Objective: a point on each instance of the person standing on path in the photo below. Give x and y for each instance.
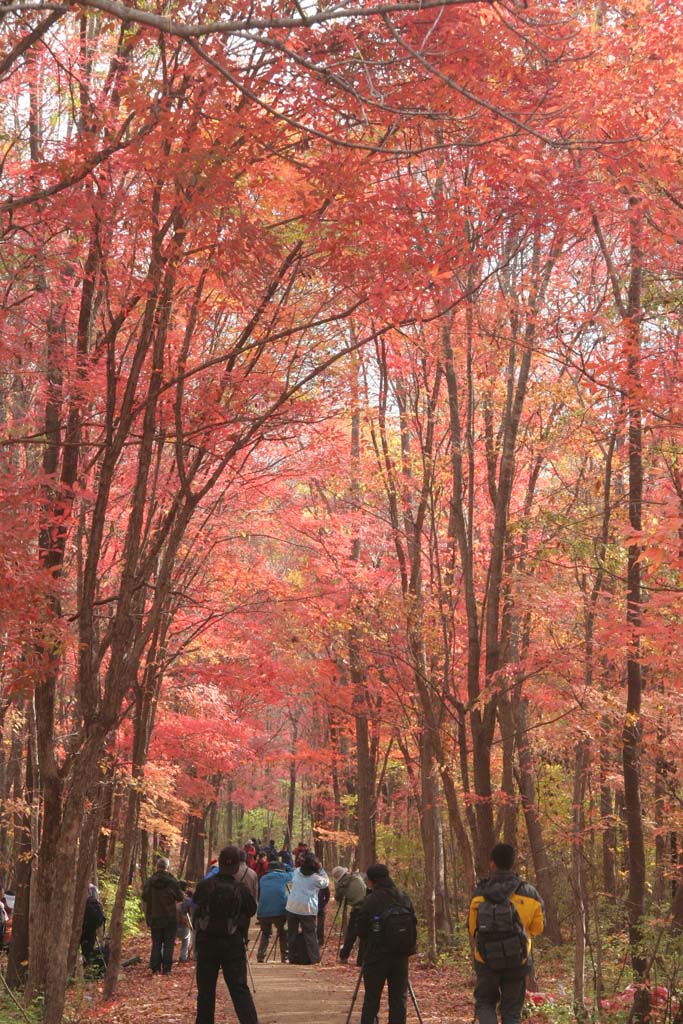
(160, 895)
(93, 918)
(350, 886)
(302, 906)
(387, 922)
(184, 930)
(505, 913)
(244, 874)
(223, 909)
(272, 908)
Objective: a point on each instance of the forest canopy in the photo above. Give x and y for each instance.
(341, 466)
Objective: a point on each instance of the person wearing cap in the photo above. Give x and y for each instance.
(349, 886)
(272, 907)
(160, 895)
(379, 964)
(220, 942)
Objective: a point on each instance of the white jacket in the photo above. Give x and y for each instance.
(303, 899)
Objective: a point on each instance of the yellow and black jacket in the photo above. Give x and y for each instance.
(502, 885)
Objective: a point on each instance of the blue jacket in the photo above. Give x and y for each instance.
(273, 892)
(303, 899)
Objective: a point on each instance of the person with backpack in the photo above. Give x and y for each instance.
(350, 886)
(302, 908)
(272, 907)
(387, 923)
(505, 913)
(223, 908)
(160, 895)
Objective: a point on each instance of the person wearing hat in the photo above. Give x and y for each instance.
(387, 921)
(272, 907)
(349, 886)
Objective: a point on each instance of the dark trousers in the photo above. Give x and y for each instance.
(394, 971)
(266, 926)
(350, 939)
(505, 987)
(308, 927)
(163, 939)
(227, 955)
(320, 928)
(88, 945)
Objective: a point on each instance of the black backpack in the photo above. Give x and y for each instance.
(219, 913)
(398, 931)
(501, 939)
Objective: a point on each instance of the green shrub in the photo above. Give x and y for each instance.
(10, 1013)
(133, 914)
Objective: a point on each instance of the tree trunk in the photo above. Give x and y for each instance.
(117, 914)
(539, 853)
(509, 801)
(581, 767)
(609, 828)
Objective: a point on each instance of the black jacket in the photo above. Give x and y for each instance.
(93, 917)
(160, 895)
(201, 901)
(374, 904)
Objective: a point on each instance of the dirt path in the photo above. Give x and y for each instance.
(287, 994)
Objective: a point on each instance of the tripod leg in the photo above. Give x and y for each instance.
(251, 976)
(355, 996)
(272, 948)
(334, 921)
(417, 1008)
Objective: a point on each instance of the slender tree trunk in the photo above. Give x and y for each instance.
(608, 818)
(23, 872)
(581, 767)
(539, 852)
(87, 847)
(509, 797)
(117, 915)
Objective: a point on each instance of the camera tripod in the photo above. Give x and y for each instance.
(411, 990)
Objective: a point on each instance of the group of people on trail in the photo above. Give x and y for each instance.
(505, 914)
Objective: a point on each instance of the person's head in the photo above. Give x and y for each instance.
(162, 863)
(229, 860)
(502, 857)
(243, 857)
(378, 876)
(93, 892)
(274, 862)
(309, 863)
(339, 872)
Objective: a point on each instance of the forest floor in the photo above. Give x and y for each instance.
(285, 994)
